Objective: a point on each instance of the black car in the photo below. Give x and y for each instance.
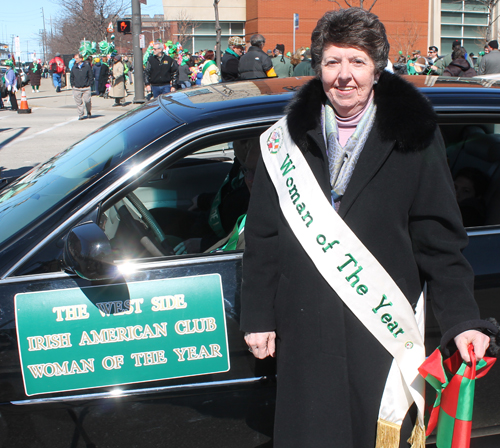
(110, 337)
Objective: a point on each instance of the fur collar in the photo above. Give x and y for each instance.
(404, 115)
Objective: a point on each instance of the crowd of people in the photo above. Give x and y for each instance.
(168, 67)
(457, 63)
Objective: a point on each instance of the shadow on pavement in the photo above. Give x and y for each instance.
(11, 139)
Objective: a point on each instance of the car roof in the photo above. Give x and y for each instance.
(264, 97)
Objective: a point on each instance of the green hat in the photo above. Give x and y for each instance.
(9, 62)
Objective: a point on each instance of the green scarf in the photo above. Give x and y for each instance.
(232, 52)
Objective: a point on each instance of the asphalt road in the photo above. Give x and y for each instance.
(29, 139)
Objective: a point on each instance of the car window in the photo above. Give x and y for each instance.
(33, 195)
(197, 205)
(473, 152)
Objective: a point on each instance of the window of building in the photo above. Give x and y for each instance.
(463, 20)
(204, 36)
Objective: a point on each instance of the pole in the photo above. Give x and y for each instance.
(44, 40)
(138, 68)
(293, 24)
(218, 33)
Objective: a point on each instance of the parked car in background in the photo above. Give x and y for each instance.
(108, 338)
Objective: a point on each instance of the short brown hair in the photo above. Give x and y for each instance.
(352, 27)
(209, 54)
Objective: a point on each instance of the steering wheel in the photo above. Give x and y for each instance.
(151, 223)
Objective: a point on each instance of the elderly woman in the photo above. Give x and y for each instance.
(352, 199)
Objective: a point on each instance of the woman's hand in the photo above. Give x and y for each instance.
(262, 344)
(479, 341)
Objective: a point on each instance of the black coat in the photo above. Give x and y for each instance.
(103, 78)
(254, 64)
(35, 76)
(229, 67)
(401, 203)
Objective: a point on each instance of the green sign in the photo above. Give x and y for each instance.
(98, 336)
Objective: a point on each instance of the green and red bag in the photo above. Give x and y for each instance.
(454, 382)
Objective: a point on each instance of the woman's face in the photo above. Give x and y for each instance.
(348, 75)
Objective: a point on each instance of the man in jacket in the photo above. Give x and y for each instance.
(282, 66)
(255, 63)
(161, 72)
(231, 59)
(81, 78)
(57, 68)
(490, 63)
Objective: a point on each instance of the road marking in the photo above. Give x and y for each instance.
(29, 137)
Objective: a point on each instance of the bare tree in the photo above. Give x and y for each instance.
(359, 4)
(407, 36)
(185, 26)
(218, 32)
(83, 19)
(492, 18)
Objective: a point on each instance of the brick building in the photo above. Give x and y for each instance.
(411, 24)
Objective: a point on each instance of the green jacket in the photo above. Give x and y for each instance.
(282, 66)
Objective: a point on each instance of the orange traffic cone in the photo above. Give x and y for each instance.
(24, 109)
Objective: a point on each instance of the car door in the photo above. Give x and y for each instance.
(473, 150)
(79, 364)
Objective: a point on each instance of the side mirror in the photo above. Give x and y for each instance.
(87, 252)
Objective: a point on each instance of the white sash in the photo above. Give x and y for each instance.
(351, 270)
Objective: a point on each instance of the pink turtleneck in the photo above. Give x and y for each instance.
(347, 126)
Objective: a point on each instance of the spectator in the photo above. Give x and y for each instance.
(490, 63)
(185, 72)
(58, 69)
(470, 187)
(35, 75)
(231, 59)
(81, 78)
(209, 70)
(161, 72)
(11, 84)
(442, 63)
(118, 91)
(459, 66)
(255, 63)
(304, 68)
(282, 66)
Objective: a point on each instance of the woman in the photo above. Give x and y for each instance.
(209, 70)
(11, 84)
(459, 65)
(35, 72)
(118, 92)
(389, 182)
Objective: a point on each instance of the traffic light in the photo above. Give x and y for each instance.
(123, 26)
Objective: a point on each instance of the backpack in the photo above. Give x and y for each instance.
(53, 67)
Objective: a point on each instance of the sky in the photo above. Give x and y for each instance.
(23, 18)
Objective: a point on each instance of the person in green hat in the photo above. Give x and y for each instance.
(11, 84)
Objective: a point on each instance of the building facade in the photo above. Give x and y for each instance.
(411, 25)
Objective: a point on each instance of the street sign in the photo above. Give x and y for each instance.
(144, 2)
(142, 41)
(296, 21)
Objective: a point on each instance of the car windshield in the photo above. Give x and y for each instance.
(46, 185)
